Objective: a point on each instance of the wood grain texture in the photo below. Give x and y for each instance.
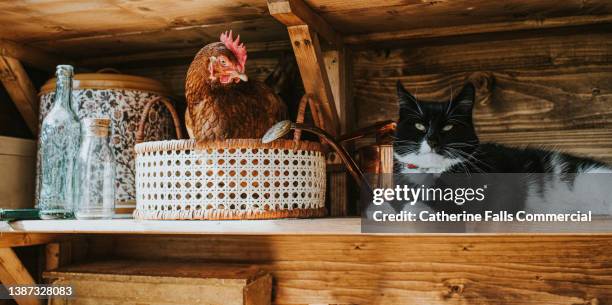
(297, 12)
(407, 270)
(57, 254)
(533, 24)
(32, 56)
(13, 272)
(21, 90)
(116, 27)
(555, 87)
(172, 75)
(335, 62)
(87, 47)
(492, 8)
(361, 16)
(337, 193)
(60, 19)
(9, 240)
(307, 50)
(150, 282)
(183, 53)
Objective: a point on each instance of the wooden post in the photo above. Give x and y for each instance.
(305, 27)
(323, 75)
(30, 55)
(57, 254)
(335, 65)
(336, 68)
(296, 12)
(308, 54)
(22, 91)
(13, 272)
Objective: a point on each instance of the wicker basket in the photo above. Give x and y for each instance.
(231, 179)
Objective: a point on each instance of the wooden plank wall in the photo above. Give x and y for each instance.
(172, 73)
(525, 270)
(550, 88)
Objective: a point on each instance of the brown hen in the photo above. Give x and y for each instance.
(221, 102)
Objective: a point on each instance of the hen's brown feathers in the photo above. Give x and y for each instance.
(218, 111)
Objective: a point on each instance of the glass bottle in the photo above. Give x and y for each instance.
(58, 144)
(94, 173)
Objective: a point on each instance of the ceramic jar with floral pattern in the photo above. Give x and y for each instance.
(120, 98)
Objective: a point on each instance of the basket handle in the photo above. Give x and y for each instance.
(307, 100)
(145, 114)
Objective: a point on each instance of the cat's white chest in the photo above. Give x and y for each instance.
(424, 161)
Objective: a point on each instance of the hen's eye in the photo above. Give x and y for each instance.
(223, 62)
(447, 127)
(419, 126)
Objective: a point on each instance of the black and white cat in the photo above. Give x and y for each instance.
(437, 137)
(440, 138)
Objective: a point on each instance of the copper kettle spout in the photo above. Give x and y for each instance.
(282, 128)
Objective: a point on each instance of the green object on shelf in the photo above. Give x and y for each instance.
(18, 214)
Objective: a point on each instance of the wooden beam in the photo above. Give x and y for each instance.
(30, 55)
(307, 50)
(304, 27)
(335, 65)
(13, 272)
(252, 47)
(22, 91)
(57, 255)
(432, 32)
(296, 12)
(26, 239)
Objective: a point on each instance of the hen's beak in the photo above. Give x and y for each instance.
(240, 76)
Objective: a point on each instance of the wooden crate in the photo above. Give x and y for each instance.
(18, 167)
(153, 282)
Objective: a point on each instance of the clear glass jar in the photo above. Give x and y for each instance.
(95, 173)
(58, 145)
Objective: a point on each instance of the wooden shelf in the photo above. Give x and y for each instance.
(130, 226)
(321, 226)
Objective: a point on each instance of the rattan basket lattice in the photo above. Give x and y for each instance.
(231, 179)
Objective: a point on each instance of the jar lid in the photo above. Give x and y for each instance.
(97, 122)
(110, 81)
(96, 126)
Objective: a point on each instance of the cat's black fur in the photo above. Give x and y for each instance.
(461, 141)
(440, 138)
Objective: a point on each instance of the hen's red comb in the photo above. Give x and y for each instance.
(236, 47)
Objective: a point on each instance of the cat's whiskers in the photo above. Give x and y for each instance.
(469, 158)
(464, 144)
(463, 160)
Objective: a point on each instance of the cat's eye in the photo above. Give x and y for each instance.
(447, 127)
(419, 126)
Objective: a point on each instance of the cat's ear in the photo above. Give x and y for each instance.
(406, 100)
(464, 101)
